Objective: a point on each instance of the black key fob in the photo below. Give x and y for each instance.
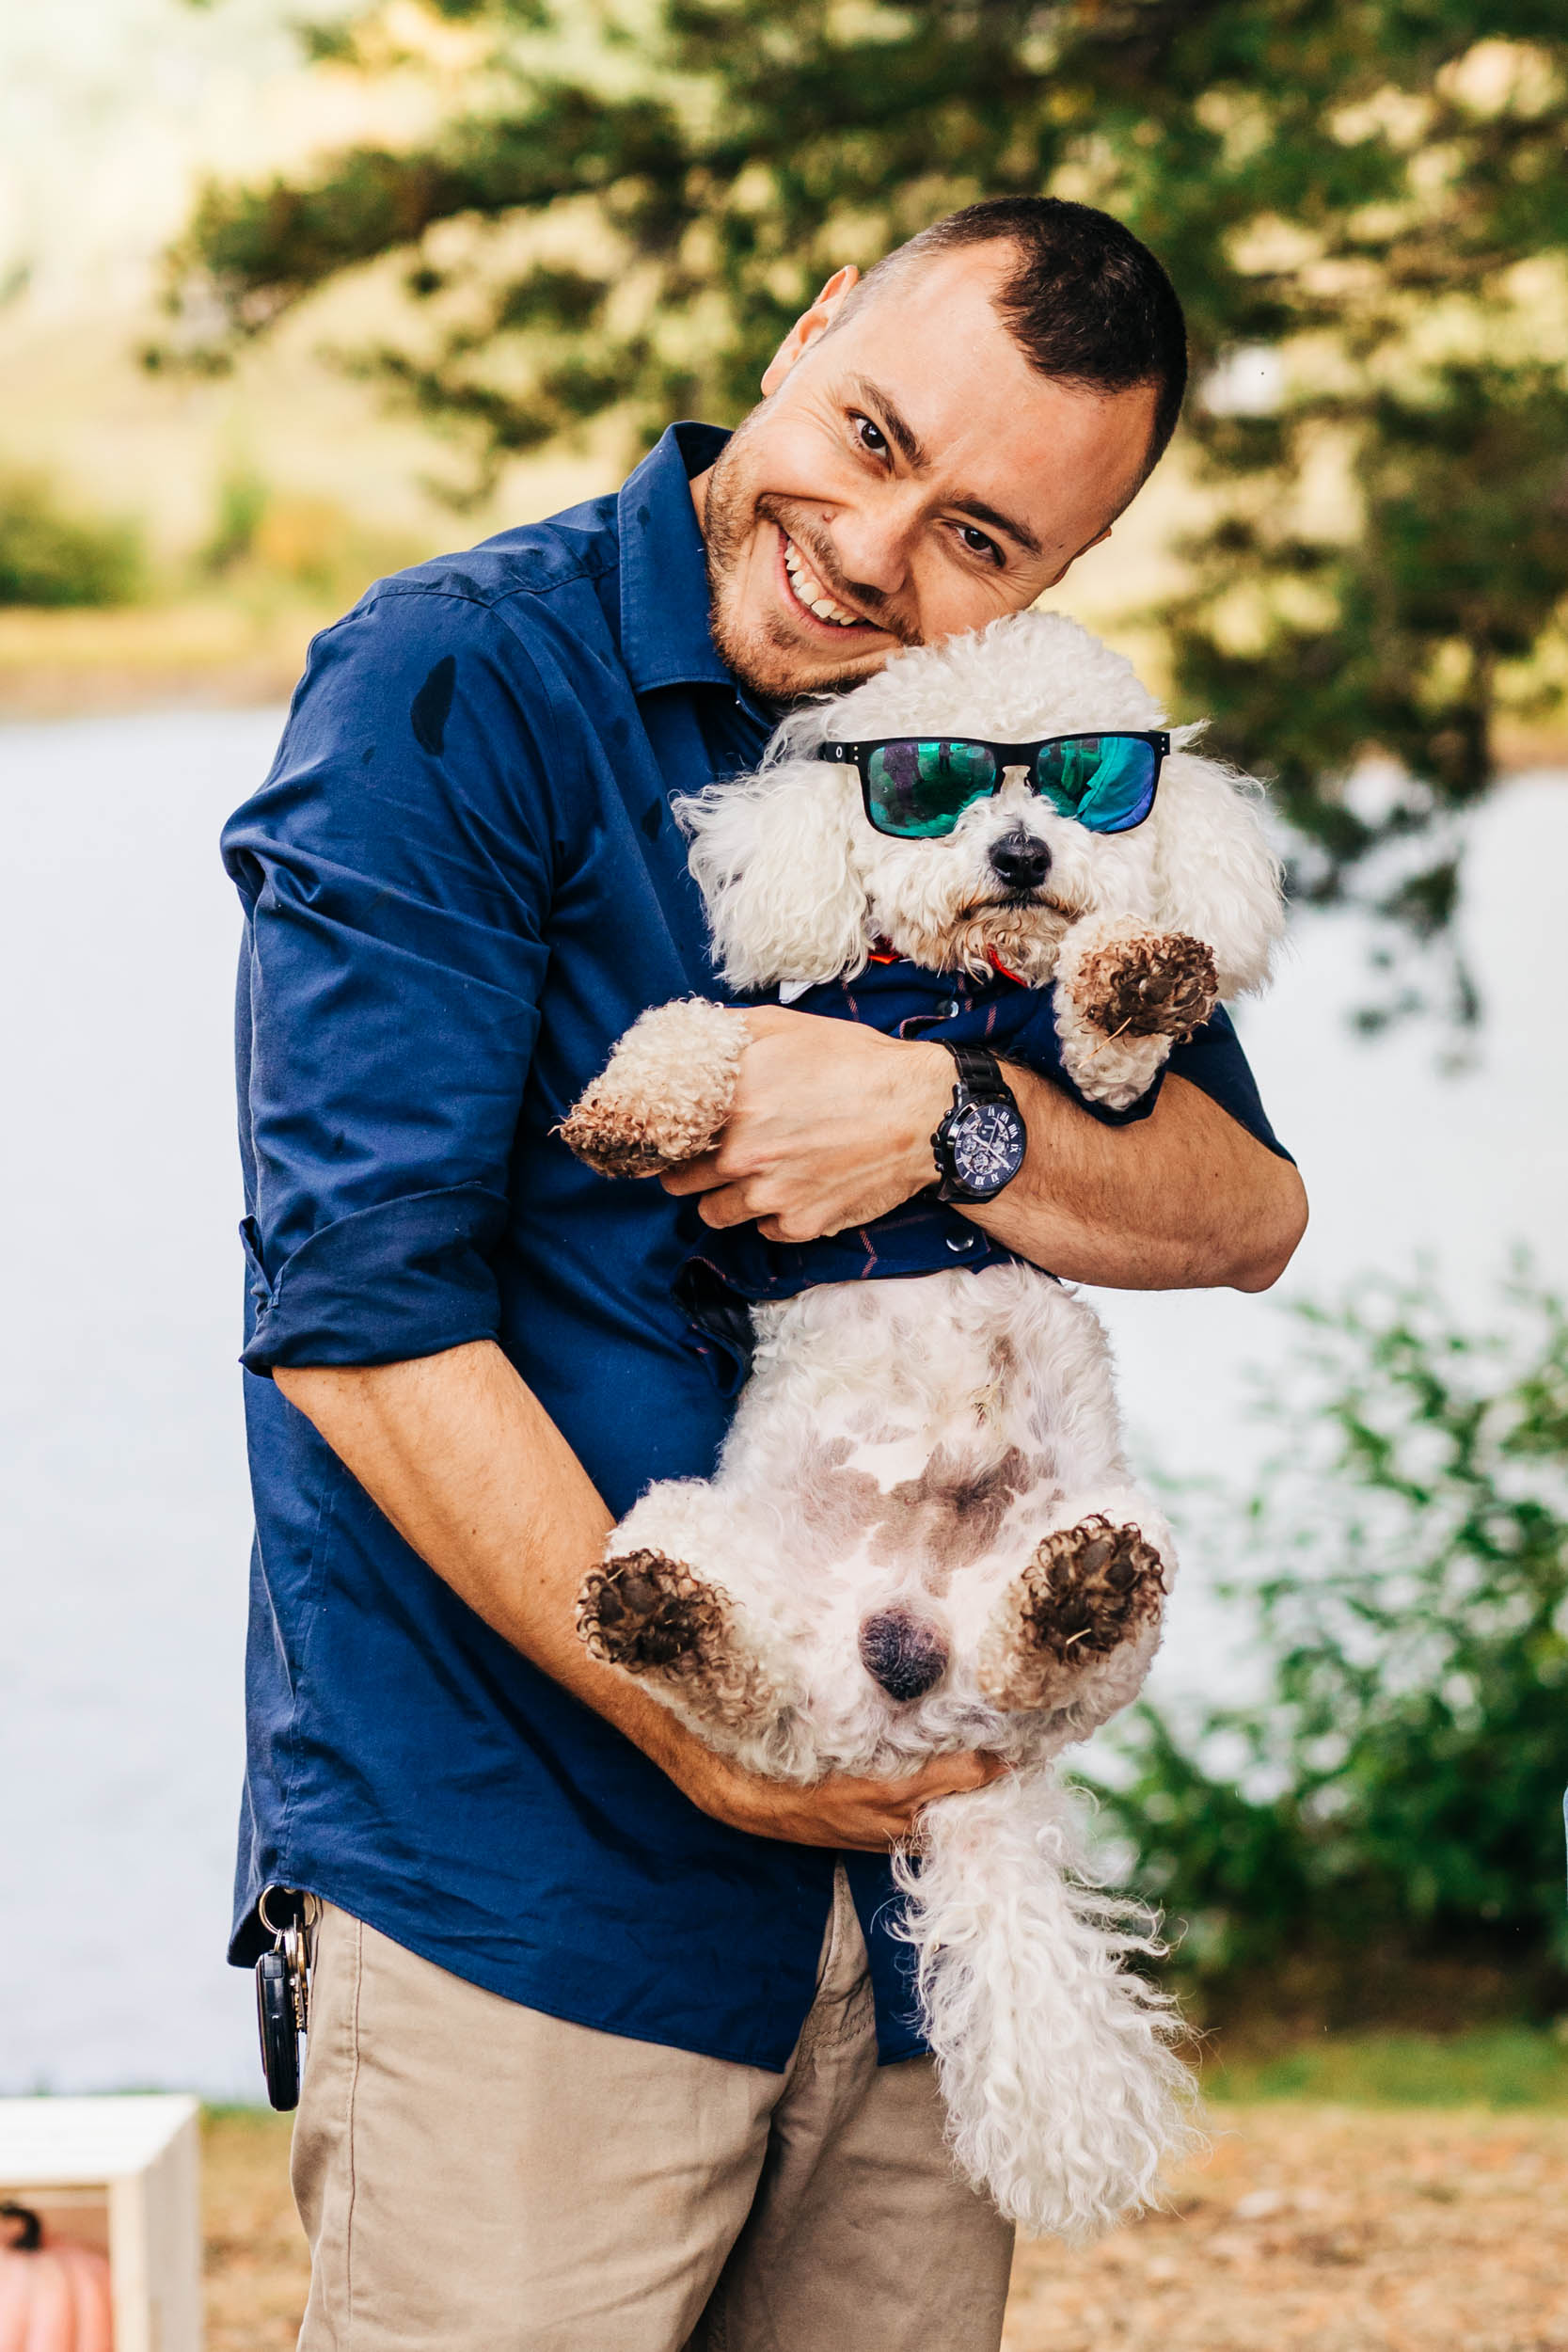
(283, 1990)
(275, 2014)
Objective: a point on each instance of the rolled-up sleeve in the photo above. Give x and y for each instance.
(1211, 1059)
(396, 870)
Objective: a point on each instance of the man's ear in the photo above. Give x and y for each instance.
(1218, 878)
(772, 856)
(810, 325)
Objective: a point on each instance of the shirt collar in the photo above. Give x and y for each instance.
(665, 637)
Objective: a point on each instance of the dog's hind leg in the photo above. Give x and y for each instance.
(1063, 2092)
(1078, 1627)
(658, 1607)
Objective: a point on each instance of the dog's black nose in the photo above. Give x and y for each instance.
(906, 1654)
(1019, 860)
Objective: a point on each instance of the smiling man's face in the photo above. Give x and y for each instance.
(908, 476)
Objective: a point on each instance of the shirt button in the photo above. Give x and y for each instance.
(955, 1243)
(947, 1009)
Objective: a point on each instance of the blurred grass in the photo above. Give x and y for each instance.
(1497, 2067)
(1365, 2199)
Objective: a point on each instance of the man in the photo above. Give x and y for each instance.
(613, 2049)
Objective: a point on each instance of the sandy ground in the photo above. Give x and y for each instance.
(1316, 2229)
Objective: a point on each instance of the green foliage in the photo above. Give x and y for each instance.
(50, 557)
(1502, 2067)
(243, 500)
(624, 209)
(268, 541)
(1397, 1784)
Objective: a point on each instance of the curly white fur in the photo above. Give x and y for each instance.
(923, 1534)
(666, 1094)
(799, 887)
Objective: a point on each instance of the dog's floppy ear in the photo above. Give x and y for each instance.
(1218, 878)
(773, 855)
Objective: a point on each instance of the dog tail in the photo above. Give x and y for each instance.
(1056, 2061)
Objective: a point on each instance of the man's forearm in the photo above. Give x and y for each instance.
(832, 1127)
(1186, 1199)
(457, 1452)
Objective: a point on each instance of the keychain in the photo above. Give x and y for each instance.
(283, 1992)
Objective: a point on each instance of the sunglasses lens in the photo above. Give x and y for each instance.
(1105, 781)
(922, 788)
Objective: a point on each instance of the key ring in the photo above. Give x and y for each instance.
(309, 1914)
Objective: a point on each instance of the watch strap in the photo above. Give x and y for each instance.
(979, 1072)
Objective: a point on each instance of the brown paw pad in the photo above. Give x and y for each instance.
(1164, 987)
(1089, 1587)
(650, 1616)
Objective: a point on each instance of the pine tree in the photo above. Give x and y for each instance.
(1363, 203)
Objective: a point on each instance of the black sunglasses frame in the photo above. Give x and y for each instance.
(1006, 756)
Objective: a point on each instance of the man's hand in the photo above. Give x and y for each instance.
(831, 1126)
(862, 1815)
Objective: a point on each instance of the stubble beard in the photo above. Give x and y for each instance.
(763, 657)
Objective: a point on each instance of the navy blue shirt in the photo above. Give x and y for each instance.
(461, 883)
(727, 1271)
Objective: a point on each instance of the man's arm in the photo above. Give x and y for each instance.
(833, 1124)
(464, 1460)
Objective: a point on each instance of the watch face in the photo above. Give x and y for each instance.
(988, 1143)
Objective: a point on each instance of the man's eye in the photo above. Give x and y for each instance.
(871, 436)
(974, 542)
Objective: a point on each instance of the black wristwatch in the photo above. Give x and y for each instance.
(980, 1144)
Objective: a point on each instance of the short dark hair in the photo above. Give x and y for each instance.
(1087, 304)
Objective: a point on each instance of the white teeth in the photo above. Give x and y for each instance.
(811, 590)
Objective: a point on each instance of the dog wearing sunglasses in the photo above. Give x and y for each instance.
(923, 1534)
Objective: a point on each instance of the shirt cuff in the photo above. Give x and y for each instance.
(407, 1277)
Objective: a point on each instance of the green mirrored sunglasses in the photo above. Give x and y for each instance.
(916, 787)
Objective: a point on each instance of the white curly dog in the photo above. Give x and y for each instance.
(922, 1534)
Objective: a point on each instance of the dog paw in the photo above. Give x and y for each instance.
(664, 1096)
(1087, 1590)
(651, 1615)
(615, 1141)
(1152, 986)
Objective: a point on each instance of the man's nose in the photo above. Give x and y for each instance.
(1019, 860)
(906, 1654)
(872, 553)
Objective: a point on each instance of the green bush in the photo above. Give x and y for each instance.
(50, 557)
(243, 500)
(1392, 1797)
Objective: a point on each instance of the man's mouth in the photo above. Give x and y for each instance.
(805, 590)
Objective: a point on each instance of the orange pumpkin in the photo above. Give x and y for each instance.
(53, 2298)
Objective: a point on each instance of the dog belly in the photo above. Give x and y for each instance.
(905, 1444)
(1001, 1370)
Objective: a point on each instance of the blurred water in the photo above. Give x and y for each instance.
(125, 1513)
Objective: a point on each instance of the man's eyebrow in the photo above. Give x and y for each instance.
(899, 430)
(1014, 529)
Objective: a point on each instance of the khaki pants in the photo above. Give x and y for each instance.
(475, 2177)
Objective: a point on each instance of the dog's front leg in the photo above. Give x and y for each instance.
(1125, 994)
(1064, 2095)
(665, 1093)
